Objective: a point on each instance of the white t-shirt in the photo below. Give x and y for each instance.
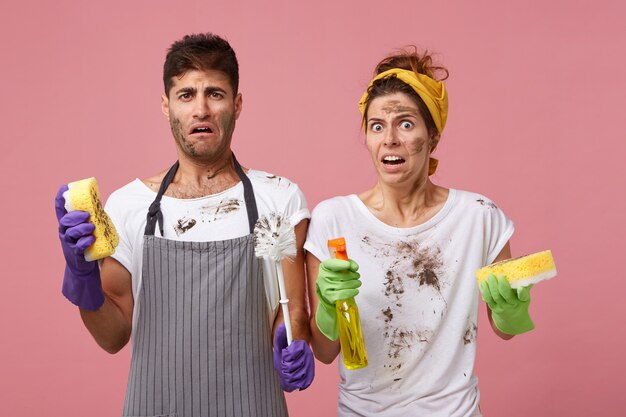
(216, 217)
(418, 303)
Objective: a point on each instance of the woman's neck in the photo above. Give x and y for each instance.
(405, 206)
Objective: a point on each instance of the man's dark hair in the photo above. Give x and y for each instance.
(200, 52)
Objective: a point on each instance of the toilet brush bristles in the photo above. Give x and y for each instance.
(275, 239)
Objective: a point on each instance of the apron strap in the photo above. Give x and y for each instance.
(248, 196)
(154, 211)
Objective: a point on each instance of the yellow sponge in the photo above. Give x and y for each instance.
(522, 271)
(84, 195)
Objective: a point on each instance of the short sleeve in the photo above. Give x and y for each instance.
(498, 230)
(123, 251)
(296, 208)
(322, 226)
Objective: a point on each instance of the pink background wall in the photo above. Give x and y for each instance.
(537, 100)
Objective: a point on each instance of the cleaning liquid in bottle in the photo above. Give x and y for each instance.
(350, 333)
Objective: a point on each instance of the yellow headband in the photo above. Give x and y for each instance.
(432, 92)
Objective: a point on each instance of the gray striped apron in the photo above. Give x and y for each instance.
(202, 343)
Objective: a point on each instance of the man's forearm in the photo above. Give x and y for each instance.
(108, 326)
(111, 324)
(300, 323)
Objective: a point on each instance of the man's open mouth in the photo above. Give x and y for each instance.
(203, 129)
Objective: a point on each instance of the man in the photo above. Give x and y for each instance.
(184, 281)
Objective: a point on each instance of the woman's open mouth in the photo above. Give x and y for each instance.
(392, 160)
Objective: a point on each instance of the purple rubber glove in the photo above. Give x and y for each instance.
(81, 282)
(294, 364)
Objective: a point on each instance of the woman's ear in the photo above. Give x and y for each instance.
(434, 141)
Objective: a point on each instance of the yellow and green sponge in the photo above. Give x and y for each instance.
(84, 195)
(522, 271)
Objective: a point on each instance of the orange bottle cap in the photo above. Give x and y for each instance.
(337, 248)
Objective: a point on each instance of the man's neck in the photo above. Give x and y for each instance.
(196, 179)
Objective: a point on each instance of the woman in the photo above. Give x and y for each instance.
(417, 245)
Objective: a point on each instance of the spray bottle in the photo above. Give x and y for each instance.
(350, 333)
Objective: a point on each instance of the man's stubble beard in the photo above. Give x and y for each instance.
(178, 131)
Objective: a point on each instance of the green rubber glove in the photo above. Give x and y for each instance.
(336, 280)
(509, 307)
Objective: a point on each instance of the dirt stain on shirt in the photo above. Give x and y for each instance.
(406, 261)
(470, 334)
(388, 314)
(393, 284)
(485, 203)
(277, 181)
(226, 207)
(183, 225)
(400, 340)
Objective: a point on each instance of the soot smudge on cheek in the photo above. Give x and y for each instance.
(418, 148)
(179, 134)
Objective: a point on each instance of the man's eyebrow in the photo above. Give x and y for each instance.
(212, 89)
(191, 90)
